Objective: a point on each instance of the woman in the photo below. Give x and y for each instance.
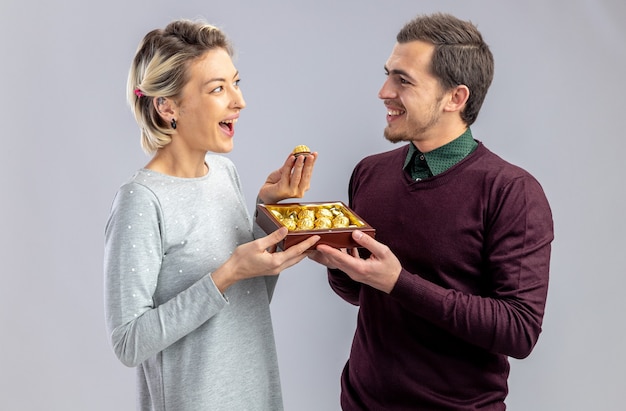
(187, 286)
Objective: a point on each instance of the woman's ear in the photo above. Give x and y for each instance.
(458, 98)
(165, 108)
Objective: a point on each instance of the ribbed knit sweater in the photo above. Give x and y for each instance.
(474, 243)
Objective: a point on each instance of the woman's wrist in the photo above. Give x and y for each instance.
(223, 277)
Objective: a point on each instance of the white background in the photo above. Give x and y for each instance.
(310, 74)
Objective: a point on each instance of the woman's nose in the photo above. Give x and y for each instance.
(238, 100)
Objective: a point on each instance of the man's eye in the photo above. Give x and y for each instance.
(403, 81)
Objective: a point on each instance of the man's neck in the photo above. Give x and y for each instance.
(439, 137)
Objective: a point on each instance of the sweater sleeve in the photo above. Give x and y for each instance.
(344, 286)
(507, 317)
(139, 328)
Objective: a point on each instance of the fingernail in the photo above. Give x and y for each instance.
(357, 235)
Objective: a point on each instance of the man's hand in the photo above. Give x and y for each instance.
(381, 270)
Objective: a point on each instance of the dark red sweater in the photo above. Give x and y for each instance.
(474, 243)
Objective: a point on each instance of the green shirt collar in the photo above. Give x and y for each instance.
(444, 157)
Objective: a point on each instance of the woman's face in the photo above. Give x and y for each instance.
(209, 105)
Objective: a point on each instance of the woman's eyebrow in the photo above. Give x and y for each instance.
(221, 79)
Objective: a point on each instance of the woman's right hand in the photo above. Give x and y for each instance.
(257, 258)
(292, 180)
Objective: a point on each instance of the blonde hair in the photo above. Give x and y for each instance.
(159, 69)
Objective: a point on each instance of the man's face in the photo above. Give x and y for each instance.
(412, 95)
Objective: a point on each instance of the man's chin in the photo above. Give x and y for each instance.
(395, 137)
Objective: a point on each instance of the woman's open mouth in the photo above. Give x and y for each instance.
(228, 125)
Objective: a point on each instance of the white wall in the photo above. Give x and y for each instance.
(310, 72)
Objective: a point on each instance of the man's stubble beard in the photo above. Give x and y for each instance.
(395, 137)
(420, 129)
(414, 134)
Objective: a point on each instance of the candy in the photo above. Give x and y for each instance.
(301, 150)
(312, 217)
(323, 223)
(323, 212)
(305, 223)
(290, 223)
(306, 213)
(341, 221)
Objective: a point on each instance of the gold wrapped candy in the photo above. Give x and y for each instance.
(323, 213)
(306, 213)
(319, 217)
(323, 223)
(301, 150)
(341, 221)
(305, 223)
(290, 223)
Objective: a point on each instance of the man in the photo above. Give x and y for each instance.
(456, 280)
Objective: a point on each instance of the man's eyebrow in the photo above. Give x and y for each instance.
(398, 72)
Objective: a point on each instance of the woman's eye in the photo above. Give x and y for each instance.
(217, 89)
(237, 82)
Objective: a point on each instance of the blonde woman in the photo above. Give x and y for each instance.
(187, 285)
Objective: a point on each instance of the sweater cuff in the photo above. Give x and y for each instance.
(214, 291)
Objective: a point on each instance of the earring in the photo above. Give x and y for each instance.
(173, 123)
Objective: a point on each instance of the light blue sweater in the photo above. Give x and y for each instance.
(194, 348)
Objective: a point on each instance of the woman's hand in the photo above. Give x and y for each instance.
(257, 258)
(292, 180)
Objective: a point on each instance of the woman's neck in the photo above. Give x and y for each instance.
(178, 165)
